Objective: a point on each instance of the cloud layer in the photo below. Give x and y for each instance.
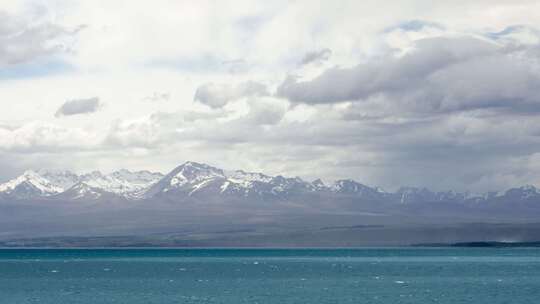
(418, 93)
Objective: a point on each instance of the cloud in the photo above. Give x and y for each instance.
(516, 34)
(439, 75)
(265, 111)
(166, 128)
(79, 106)
(38, 136)
(26, 38)
(429, 94)
(159, 128)
(415, 26)
(316, 56)
(236, 66)
(142, 133)
(218, 95)
(157, 96)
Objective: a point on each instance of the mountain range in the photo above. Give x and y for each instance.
(196, 181)
(200, 205)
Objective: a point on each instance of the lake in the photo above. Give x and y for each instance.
(370, 275)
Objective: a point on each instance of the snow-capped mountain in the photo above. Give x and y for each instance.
(527, 192)
(202, 181)
(198, 181)
(83, 191)
(409, 195)
(30, 184)
(122, 182)
(61, 184)
(350, 187)
(193, 179)
(62, 179)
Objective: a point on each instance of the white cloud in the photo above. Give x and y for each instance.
(25, 38)
(218, 95)
(157, 96)
(41, 136)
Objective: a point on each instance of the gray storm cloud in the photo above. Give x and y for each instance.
(79, 106)
(438, 75)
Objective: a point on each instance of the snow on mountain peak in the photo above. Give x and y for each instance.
(30, 183)
(204, 181)
(192, 172)
(529, 188)
(51, 182)
(318, 184)
(82, 191)
(349, 185)
(61, 178)
(123, 182)
(246, 178)
(524, 192)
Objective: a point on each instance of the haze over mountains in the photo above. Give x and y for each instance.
(197, 204)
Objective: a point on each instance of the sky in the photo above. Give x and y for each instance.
(441, 94)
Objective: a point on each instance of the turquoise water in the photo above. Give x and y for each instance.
(412, 275)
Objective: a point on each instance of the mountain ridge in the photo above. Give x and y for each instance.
(199, 180)
(49, 183)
